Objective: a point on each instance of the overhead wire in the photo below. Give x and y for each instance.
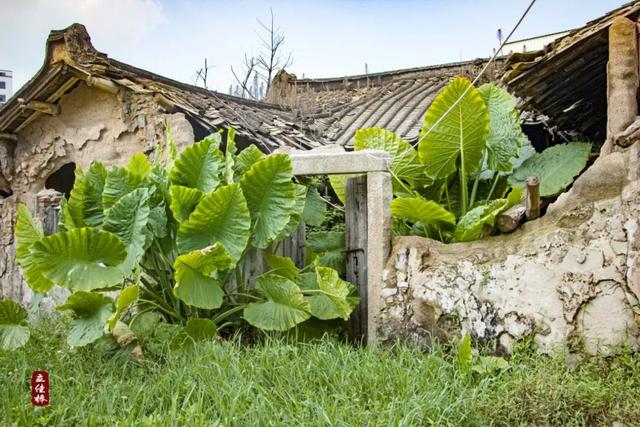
(473, 83)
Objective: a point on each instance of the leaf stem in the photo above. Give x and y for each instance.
(164, 310)
(493, 186)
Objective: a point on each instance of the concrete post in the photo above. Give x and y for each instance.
(379, 196)
(622, 79)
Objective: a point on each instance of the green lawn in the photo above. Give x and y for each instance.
(324, 383)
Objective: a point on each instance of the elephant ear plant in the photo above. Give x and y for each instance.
(471, 163)
(173, 239)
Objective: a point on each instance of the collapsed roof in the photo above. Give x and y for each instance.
(71, 58)
(567, 80)
(335, 108)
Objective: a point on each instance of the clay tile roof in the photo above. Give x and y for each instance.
(70, 58)
(567, 79)
(335, 108)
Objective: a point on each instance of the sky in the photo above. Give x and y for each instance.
(327, 38)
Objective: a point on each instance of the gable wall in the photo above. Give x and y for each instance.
(92, 125)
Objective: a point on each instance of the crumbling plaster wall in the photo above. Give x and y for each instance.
(92, 125)
(570, 280)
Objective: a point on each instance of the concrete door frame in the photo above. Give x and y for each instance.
(375, 164)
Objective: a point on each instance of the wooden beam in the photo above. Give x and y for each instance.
(533, 198)
(10, 136)
(103, 84)
(511, 219)
(39, 106)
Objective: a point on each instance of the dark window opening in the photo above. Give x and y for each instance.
(5, 194)
(199, 131)
(62, 180)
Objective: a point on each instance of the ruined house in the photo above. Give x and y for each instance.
(83, 105)
(571, 276)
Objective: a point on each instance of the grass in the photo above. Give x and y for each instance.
(324, 383)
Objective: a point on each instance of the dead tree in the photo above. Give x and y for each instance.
(272, 59)
(202, 74)
(248, 67)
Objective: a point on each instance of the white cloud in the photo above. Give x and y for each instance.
(111, 23)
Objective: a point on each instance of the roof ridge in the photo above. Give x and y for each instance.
(393, 72)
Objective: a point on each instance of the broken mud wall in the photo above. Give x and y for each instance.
(92, 125)
(570, 280)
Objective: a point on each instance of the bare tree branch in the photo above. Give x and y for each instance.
(202, 74)
(247, 68)
(272, 60)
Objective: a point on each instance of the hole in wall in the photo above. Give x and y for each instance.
(5, 193)
(62, 179)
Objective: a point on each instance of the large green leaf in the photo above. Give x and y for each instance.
(222, 216)
(158, 221)
(75, 204)
(201, 329)
(91, 310)
(296, 212)
(271, 196)
(183, 201)
(339, 184)
(329, 247)
(556, 167)
(128, 219)
(327, 294)
(198, 166)
(281, 265)
(479, 221)
(119, 182)
(139, 165)
(284, 307)
(81, 259)
(417, 209)
(405, 164)
(14, 331)
(230, 156)
(94, 182)
(84, 206)
(460, 137)
(315, 208)
(170, 147)
(65, 220)
(126, 298)
(197, 283)
(246, 159)
(27, 233)
(505, 136)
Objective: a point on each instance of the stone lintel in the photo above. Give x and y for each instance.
(327, 163)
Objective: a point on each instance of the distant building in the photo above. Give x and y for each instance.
(532, 43)
(6, 87)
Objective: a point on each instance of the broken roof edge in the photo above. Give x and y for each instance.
(519, 65)
(71, 49)
(397, 72)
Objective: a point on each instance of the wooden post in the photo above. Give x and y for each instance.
(293, 246)
(48, 208)
(533, 198)
(622, 79)
(355, 218)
